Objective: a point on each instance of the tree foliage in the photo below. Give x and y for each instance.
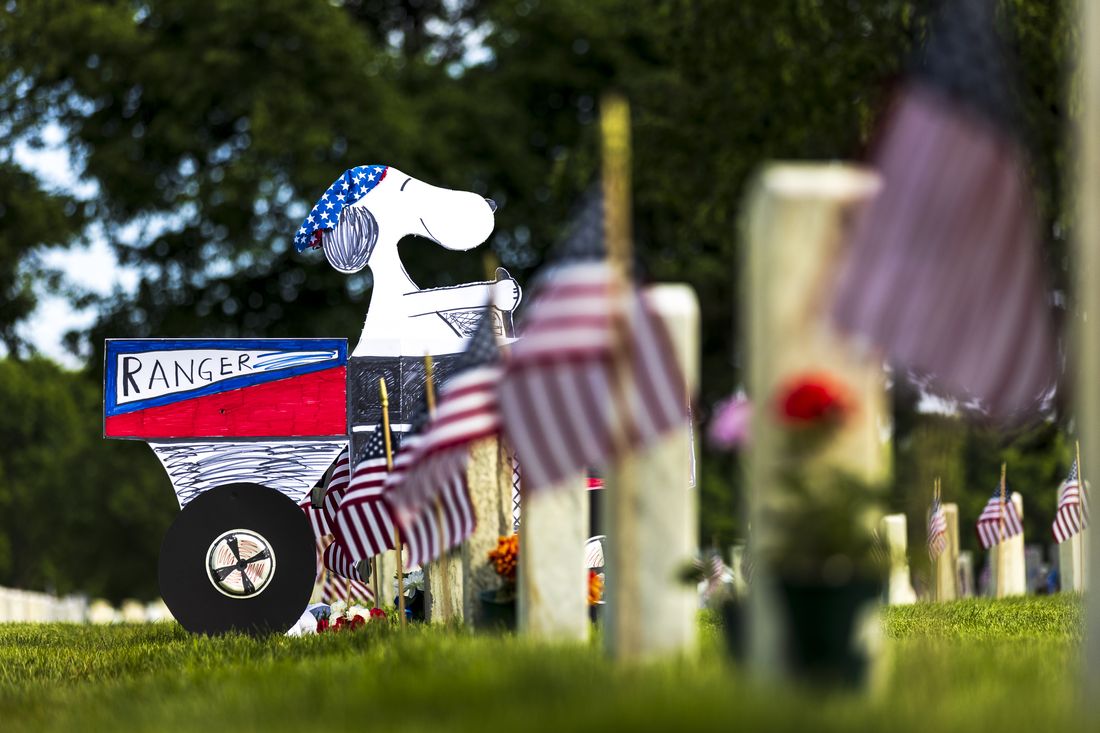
(209, 128)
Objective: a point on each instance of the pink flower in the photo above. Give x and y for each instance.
(730, 426)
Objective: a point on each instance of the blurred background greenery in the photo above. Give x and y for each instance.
(205, 129)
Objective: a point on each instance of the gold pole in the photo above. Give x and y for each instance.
(622, 499)
(1001, 537)
(396, 530)
(1080, 515)
(935, 560)
(429, 390)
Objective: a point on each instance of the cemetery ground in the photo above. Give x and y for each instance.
(1006, 665)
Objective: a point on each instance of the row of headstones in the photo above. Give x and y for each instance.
(954, 570)
(25, 606)
(651, 523)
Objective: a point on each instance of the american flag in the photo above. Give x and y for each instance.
(558, 393)
(337, 484)
(318, 522)
(1072, 514)
(354, 184)
(336, 589)
(937, 529)
(363, 523)
(433, 503)
(943, 269)
(995, 525)
(467, 411)
(337, 560)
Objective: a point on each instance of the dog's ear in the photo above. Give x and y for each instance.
(349, 244)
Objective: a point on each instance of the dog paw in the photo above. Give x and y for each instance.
(506, 292)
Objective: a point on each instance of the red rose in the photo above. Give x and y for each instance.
(357, 622)
(322, 625)
(377, 613)
(340, 623)
(812, 399)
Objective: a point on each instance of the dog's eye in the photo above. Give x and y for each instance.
(406, 183)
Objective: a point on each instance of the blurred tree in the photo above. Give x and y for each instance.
(209, 128)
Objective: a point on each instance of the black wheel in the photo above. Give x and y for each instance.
(239, 557)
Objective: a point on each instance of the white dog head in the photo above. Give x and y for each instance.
(377, 203)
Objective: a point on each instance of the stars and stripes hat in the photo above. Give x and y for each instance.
(356, 183)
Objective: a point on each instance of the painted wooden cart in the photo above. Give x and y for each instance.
(245, 428)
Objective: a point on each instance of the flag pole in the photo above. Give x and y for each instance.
(616, 161)
(1001, 537)
(429, 391)
(396, 530)
(1080, 516)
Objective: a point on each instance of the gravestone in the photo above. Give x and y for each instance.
(553, 582)
(489, 477)
(967, 589)
(797, 214)
(1008, 575)
(946, 565)
(1071, 563)
(900, 586)
(652, 518)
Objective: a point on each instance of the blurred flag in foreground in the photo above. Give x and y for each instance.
(943, 269)
(433, 504)
(594, 373)
(363, 524)
(1072, 514)
(998, 520)
(937, 529)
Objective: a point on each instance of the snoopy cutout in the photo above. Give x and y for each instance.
(359, 222)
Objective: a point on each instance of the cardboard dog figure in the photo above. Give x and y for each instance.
(246, 427)
(358, 223)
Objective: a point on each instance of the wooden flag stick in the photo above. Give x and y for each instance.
(1081, 502)
(429, 391)
(622, 498)
(1001, 535)
(396, 530)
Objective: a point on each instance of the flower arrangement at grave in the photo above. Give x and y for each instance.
(504, 559)
(824, 518)
(342, 617)
(595, 588)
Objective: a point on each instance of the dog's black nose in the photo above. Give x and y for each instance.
(492, 205)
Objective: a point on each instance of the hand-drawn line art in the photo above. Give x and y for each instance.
(359, 221)
(291, 467)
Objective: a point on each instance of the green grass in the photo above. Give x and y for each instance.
(971, 665)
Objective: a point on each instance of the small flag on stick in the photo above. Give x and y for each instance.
(1072, 514)
(433, 503)
(564, 401)
(363, 523)
(998, 520)
(937, 525)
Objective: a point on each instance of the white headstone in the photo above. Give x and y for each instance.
(653, 518)
(900, 589)
(1007, 567)
(553, 580)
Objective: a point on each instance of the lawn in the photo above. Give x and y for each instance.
(970, 665)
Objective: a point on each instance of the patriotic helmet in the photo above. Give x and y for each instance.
(348, 233)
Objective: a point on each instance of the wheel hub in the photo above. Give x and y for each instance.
(240, 563)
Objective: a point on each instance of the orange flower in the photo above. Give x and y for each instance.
(504, 557)
(595, 587)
